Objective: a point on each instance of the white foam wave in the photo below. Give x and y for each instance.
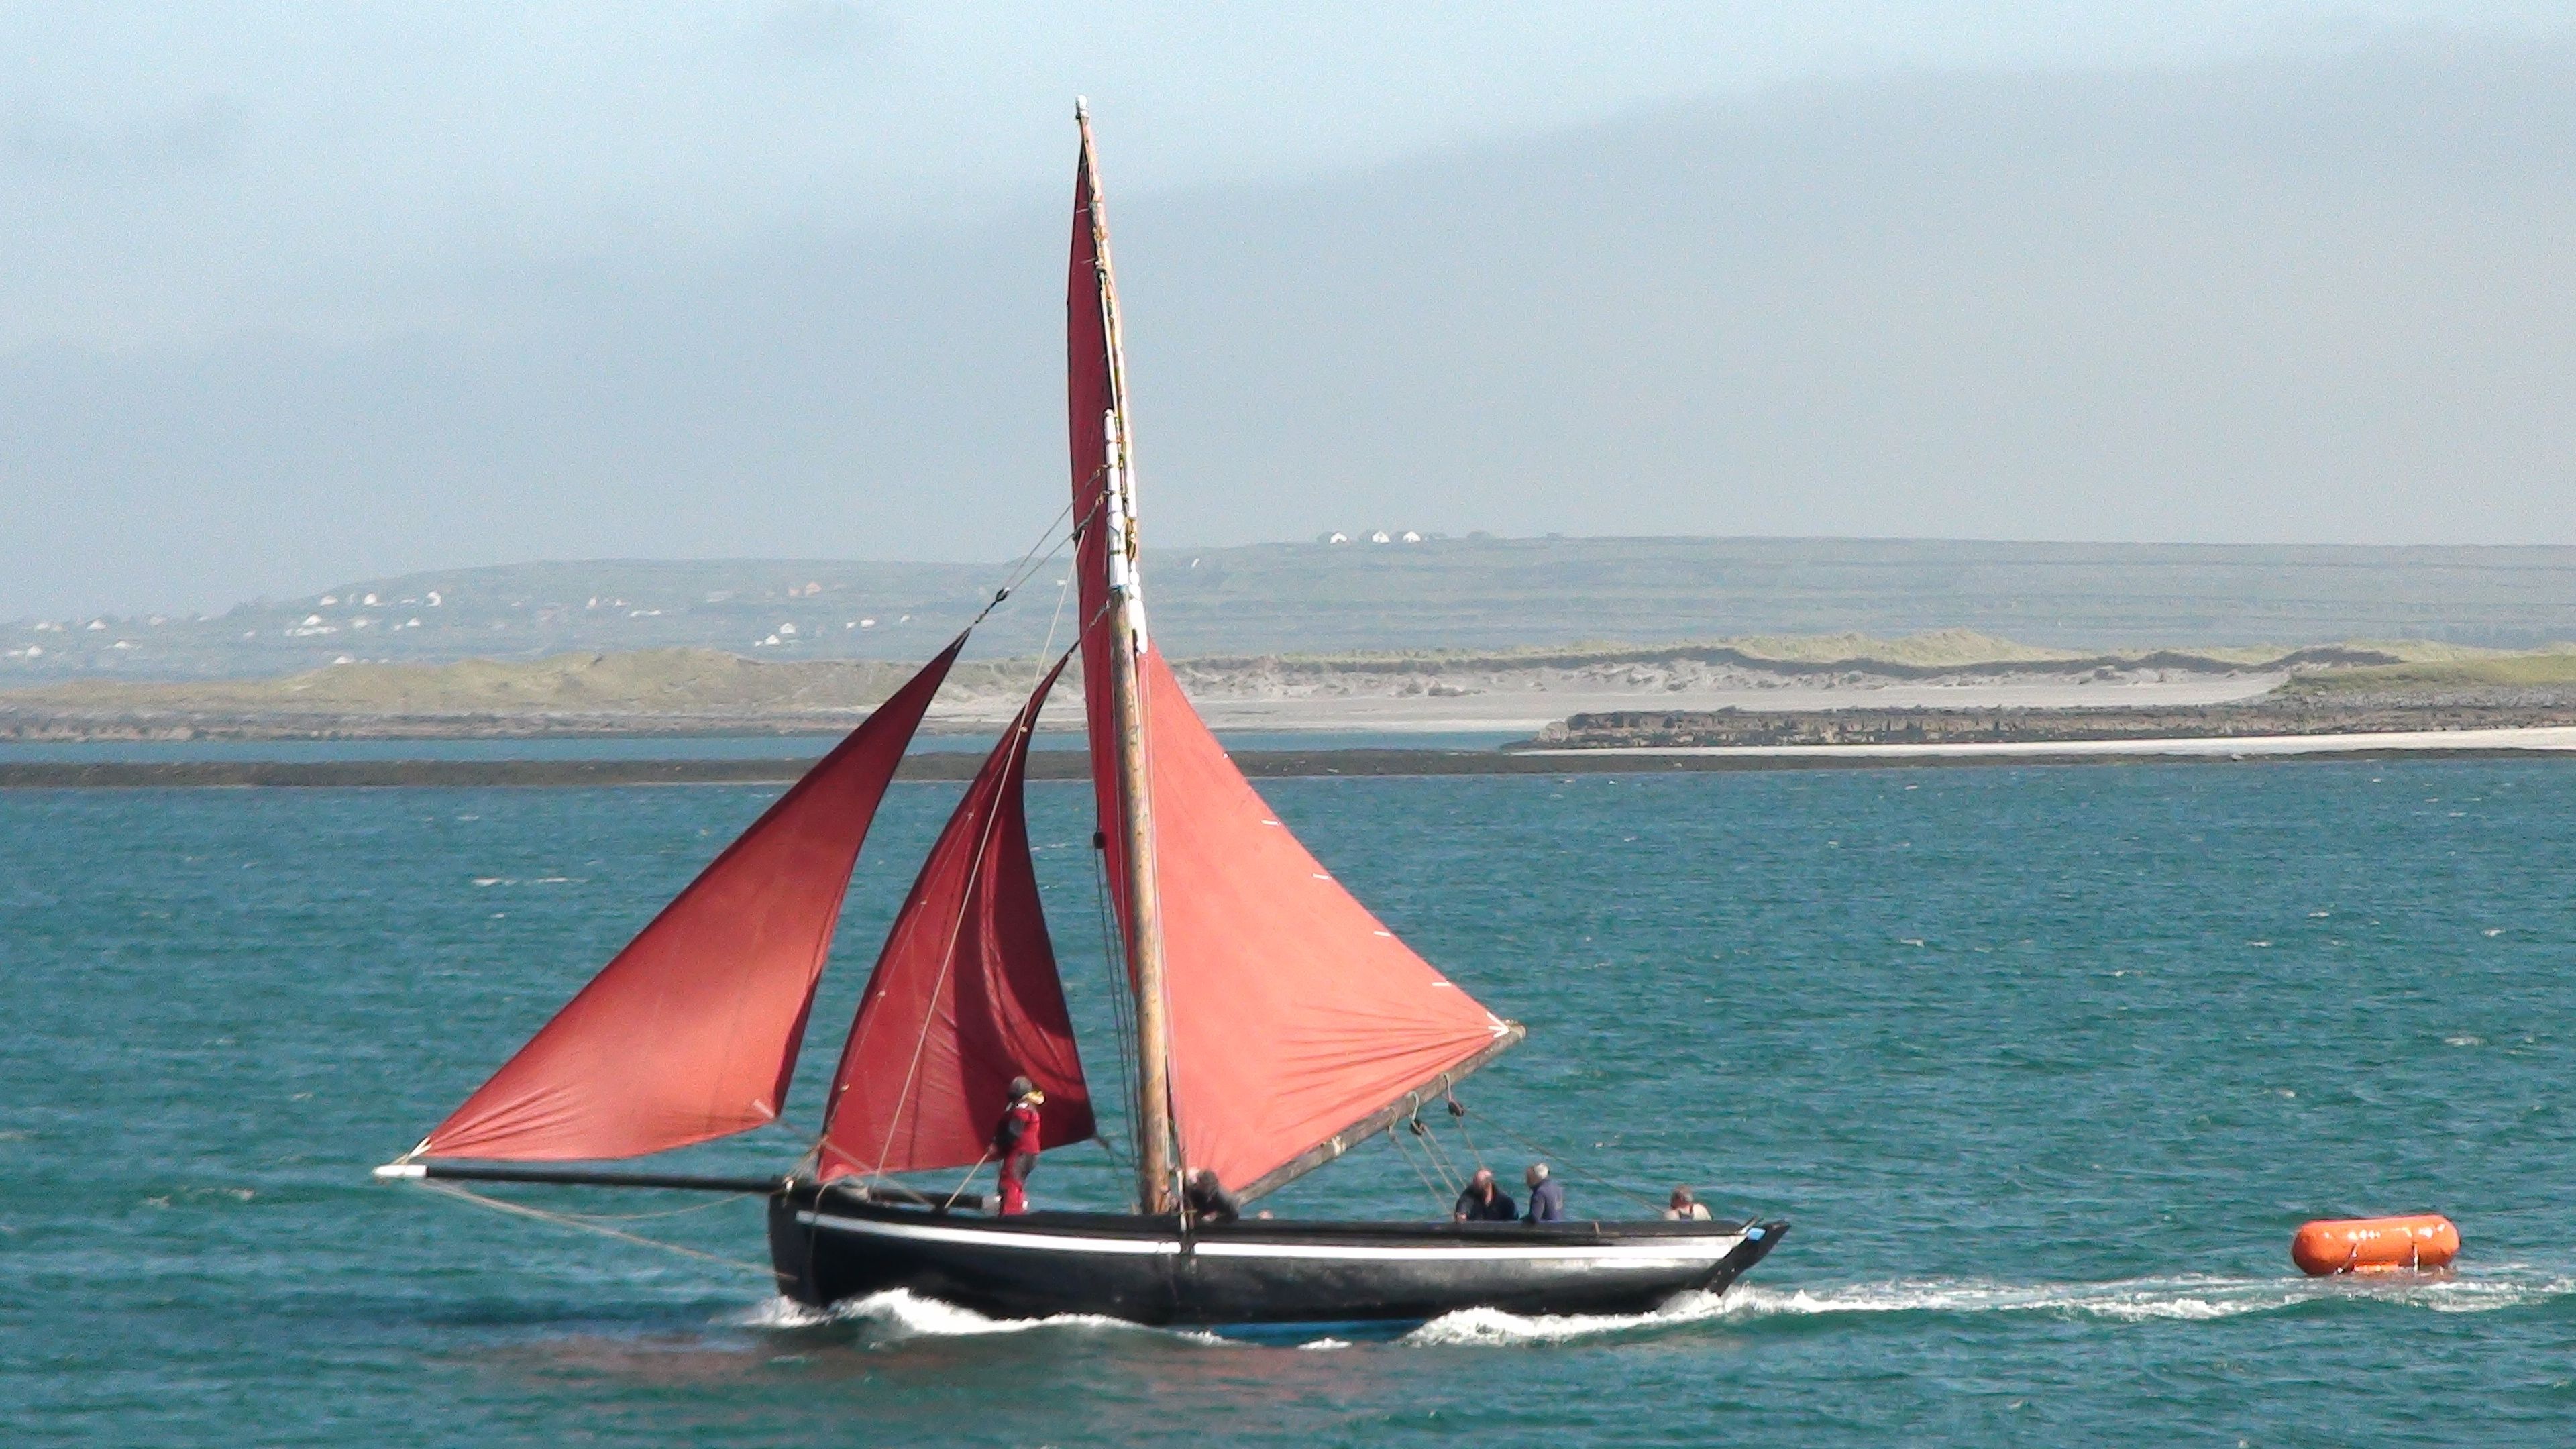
(2194, 1298)
(779, 1313)
(897, 1315)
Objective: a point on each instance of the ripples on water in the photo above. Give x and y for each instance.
(2045, 1064)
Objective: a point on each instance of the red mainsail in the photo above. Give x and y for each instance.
(1091, 391)
(964, 998)
(1296, 1015)
(691, 1032)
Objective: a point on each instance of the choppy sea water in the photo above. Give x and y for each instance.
(2045, 1064)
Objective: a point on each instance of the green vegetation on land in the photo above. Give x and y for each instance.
(2554, 667)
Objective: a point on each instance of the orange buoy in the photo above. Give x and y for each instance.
(2375, 1245)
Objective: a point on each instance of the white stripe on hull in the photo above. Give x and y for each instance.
(1671, 1251)
(1054, 1242)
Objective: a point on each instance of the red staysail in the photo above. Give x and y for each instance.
(691, 1032)
(1296, 1015)
(964, 998)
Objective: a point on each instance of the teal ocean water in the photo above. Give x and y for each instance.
(2045, 1064)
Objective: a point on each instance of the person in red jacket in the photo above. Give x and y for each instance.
(1016, 1140)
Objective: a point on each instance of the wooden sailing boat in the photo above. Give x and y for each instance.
(1277, 1022)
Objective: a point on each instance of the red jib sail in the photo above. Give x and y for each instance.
(965, 997)
(1296, 1015)
(691, 1032)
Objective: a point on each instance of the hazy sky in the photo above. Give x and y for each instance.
(290, 294)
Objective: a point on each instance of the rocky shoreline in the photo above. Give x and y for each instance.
(2287, 714)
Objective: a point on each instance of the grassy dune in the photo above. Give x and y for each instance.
(651, 681)
(681, 684)
(2554, 667)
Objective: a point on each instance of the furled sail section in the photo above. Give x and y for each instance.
(1298, 1020)
(965, 997)
(691, 1032)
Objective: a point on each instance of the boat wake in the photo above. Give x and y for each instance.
(2133, 1300)
(898, 1316)
(886, 1319)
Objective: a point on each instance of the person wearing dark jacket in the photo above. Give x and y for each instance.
(1208, 1201)
(1017, 1139)
(1484, 1201)
(1547, 1196)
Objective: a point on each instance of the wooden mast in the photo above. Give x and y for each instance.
(1157, 1172)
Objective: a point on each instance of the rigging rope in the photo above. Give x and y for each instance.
(574, 1220)
(1122, 1010)
(1020, 572)
(1581, 1173)
(1038, 670)
(969, 1178)
(1395, 1138)
(1113, 961)
(1458, 1113)
(1440, 1162)
(1116, 1158)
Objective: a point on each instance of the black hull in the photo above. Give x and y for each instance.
(1147, 1270)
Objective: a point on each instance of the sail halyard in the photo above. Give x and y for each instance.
(1113, 643)
(964, 997)
(691, 1031)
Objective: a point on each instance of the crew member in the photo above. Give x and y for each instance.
(1547, 1196)
(1484, 1201)
(1686, 1207)
(1207, 1199)
(1016, 1141)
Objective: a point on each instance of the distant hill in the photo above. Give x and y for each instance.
(1475, 593)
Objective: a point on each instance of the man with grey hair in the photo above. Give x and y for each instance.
(1547, 1196)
